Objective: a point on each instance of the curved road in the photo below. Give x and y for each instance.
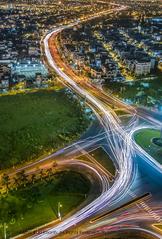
(120, 143)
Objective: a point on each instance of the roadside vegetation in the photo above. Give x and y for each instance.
(145, 92)
(34, 124)
(30, 201)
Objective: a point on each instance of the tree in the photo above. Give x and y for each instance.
(42, 174)
(6, 181)
(33, 178)
(21, 178)
(49, 172)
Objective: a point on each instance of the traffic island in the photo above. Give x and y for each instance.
(150, 140)
(100, 156)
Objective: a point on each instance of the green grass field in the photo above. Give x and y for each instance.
(32, 210)
(33, 124)
(144, 139)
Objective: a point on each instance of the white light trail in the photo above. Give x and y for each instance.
(120, 144)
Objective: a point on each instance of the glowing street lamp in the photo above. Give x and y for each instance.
(58, 210)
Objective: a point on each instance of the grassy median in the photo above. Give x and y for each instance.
(144, 138)
(32, 124)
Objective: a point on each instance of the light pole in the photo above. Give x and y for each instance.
(5, 230)
(58, 210)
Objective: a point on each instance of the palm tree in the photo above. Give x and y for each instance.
(22, 178)
(41, 173)
(6, 181)
(49, 173)
(16, 182)
(33, 178)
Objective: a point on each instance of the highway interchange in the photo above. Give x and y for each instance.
(120, 146)
(117, 141)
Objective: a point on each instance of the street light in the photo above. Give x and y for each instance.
(5, 230)
(58, 210)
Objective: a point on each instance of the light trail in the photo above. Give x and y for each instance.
(95, 170)
(150, 213)
(98, 171)
(119, 142)
(118, 139)
(119, 222)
